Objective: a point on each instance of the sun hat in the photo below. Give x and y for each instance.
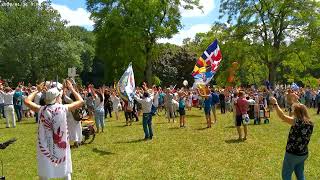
(54, 91)
(51, 95)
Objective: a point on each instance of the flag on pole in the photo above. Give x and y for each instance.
(207, 64)
(126, 85)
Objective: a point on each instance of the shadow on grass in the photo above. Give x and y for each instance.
(201, 129)
(102, 152)
(160, 123)
(233, 141)
(229, 127)
(26, 122)
(131, 141)
(121, 126)
(247, 125)
(174, 128)
(192, 115)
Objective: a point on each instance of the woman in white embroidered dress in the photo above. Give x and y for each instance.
(53, 148)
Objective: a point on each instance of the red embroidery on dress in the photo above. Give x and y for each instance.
(57, 139)
(57, 136)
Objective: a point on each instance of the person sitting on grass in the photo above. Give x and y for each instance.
(53, 148)
(298, 139)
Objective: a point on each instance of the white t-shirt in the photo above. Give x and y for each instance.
(74, 128)
(24, 107)
(99, 105)
(8, 98)
(53, 148)
(190, 100)
(115, 102)
(1, 99)
(146, 103)
(156, 100)
(37, 98)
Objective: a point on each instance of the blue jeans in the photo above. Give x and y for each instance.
(99, 117)
(294, 163)
(18, 109)
(147, 125)
(2, 110)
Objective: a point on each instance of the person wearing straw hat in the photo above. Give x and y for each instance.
(53, 148)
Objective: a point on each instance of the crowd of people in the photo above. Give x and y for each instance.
(54, 105)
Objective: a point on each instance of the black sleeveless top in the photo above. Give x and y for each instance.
(299, 137)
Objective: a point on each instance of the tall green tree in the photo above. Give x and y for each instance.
(174, 64)
(270, 25)
(35, 43)
(127, 30)
(87, 44)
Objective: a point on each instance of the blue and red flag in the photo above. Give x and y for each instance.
(207, 64)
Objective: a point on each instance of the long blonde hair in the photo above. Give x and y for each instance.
(301, 113)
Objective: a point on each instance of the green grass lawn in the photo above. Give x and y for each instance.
(190, 153)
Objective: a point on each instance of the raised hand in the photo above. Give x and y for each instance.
(69, 85)
(273, 100)
(41, 87)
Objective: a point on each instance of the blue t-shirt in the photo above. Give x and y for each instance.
(215, 99)
(161, 98)
(17, 98)
(207, 102)
(182, 103)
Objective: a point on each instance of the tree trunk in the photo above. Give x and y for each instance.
(148, 68)
(272, 72)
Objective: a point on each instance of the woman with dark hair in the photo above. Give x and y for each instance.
(98, 97)
(298, 139)
(127, 109)
(107, 104)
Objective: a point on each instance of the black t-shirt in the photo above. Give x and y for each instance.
(221, 98)
(299, 137)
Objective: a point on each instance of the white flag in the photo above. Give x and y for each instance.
(126, 84)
